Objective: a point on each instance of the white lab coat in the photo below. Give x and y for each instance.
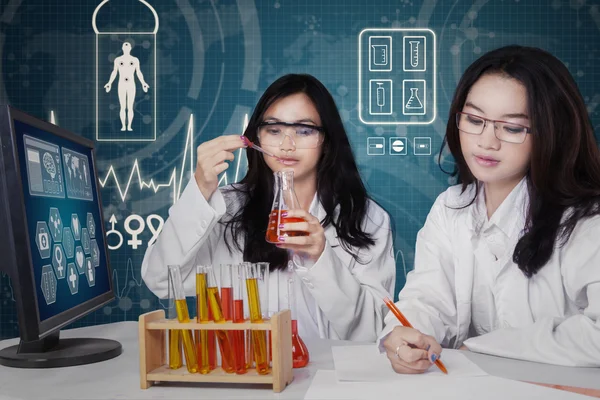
(553, 317)
(344, 298)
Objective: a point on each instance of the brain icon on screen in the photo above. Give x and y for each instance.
(49, 164)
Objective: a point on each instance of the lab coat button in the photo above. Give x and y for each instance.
(310, 285)
(306, 279)
(200, 231)
(203, 224)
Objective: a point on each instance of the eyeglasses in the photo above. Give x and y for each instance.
(505, 131)
(303, 136)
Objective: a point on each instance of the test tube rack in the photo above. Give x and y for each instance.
(154, 368)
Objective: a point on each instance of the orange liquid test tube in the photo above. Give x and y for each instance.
(212, 344)
(259, 338)
(239, 345)
(202, 311)
(224, 344)
(227, 307)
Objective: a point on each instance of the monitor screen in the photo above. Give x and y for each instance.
(63, 219)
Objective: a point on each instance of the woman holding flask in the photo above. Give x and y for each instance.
(342, 262)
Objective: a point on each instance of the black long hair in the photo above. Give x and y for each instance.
(338, 180)
(564, 171)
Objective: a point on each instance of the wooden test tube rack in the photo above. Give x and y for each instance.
(153, 328)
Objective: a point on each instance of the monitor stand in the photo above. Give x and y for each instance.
(52, 352)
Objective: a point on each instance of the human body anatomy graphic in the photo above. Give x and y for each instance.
(126, 65)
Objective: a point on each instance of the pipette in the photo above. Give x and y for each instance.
(255, 147)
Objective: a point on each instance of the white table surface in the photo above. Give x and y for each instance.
(119, 378)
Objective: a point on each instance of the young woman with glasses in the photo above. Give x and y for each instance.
(344, 265)
(508, 261)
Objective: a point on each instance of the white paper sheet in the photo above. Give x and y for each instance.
(366, 364)
(325, 386)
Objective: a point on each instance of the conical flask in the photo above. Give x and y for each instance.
(284, 199)
(300, 355)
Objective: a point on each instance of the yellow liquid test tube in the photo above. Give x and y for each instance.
(214, 299)
(183, 316)
(259, 338)
(202, 310)
(175, 361)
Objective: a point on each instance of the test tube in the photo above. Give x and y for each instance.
(204, 345)
(175, 356)
(189, 347)
(175, 361)
(245, 267)
(214, 301)
(257, 281)
(238, 337)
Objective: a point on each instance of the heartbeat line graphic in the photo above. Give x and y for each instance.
(128, 284)
(174, 182)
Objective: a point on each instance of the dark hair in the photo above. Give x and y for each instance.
(338, 180)
(564, 171)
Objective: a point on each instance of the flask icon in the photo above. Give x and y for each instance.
(414, 97)
(414, 103)
(125, 76)
(284, 199)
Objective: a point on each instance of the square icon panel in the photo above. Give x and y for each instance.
(375, 146)
(398, 146)
(422, 146)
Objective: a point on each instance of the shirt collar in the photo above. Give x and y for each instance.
(509, 216)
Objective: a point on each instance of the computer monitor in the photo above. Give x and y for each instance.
(52, 240)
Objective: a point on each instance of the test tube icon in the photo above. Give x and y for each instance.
(414, 53)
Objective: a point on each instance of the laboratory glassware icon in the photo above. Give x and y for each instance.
(414, 103)
(380, 53)
(413, 96)
(380, 97)
(127, 114)
(415, 54)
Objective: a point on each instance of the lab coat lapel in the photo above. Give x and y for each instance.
(464, 259)
(513, 306)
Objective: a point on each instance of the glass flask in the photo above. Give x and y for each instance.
(300, 355)
(284, 199)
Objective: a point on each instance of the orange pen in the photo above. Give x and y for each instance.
(405, 322)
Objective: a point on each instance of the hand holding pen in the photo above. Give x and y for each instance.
(410, 351)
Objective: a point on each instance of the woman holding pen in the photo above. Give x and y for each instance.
(508, 261)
